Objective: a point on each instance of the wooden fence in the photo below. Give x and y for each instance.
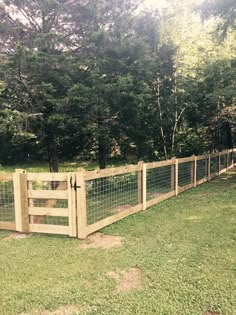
(80, 203)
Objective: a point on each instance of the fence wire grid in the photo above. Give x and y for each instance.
(214, 165)
(7, 207)
(223, 162)
(202, 169)
(160, 181)
(110, 195)
(186, 174)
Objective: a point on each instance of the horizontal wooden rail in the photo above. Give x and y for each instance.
(6, 176)
(52, 212)
(89, 175)
(223, 171)
(48, 194)
(202, 157)
(186, 187)
(47, 177)
(185, 160)
(163, 197)
(201, 181)
(7, 225)
(216, 154)
(49, 229)
(160, 164)
(101, 224)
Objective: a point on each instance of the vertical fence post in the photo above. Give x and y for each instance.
(71, 181)
(21, 201)
(226, 160)
(173, 175)
(209, 168)
(176, 177)
(144, 186)
(195, 171)
(81, 204)
(140, 183)
(219, 163)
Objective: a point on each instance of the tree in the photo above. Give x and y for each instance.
(45, 42)
(224, 11)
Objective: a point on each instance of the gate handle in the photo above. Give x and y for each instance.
(74, 186)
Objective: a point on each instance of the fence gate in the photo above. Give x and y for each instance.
(45, 203)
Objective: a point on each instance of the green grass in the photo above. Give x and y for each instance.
(68, 166)
(185, 247)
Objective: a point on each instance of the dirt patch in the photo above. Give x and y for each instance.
(121, 208)
(63, 310)
(127, 279)
(17, 236)
(99, 240)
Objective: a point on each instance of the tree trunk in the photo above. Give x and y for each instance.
(101, 153)
(229, 137)
(160, 116)
(52, 156)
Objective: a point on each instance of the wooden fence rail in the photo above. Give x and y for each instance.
(80, 203)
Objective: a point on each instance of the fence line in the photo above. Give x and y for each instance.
(80, 203)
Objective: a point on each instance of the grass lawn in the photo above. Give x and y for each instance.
(41, 166)
(185, 249)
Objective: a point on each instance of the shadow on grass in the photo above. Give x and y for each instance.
(229, 178)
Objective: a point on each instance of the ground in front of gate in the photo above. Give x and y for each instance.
(178, 257)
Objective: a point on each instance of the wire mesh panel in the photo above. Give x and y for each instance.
(214, 165)
(202, 169)
(160, 181)
(223, 161)
(7, 207)
(186, 174)
(108, 196)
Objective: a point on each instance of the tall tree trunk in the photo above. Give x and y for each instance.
(229, 137)
(176, 112)
(158, 86)
(52, 156)
(101, 153)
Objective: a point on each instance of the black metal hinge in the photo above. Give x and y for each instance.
(74, 185)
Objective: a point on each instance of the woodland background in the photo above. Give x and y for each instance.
(109, 80)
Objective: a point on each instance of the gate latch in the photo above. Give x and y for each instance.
(74, 185)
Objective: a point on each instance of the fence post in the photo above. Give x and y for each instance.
(140, 183)
(209, 168)
(144, 186)
(21, 201)
(81, 204)
(173, 175)
(219, 164)
(227, 156)
(176, 177)
(231, 157)
(195, 171)
(71, 181)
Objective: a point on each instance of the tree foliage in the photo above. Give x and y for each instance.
(101, 80)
